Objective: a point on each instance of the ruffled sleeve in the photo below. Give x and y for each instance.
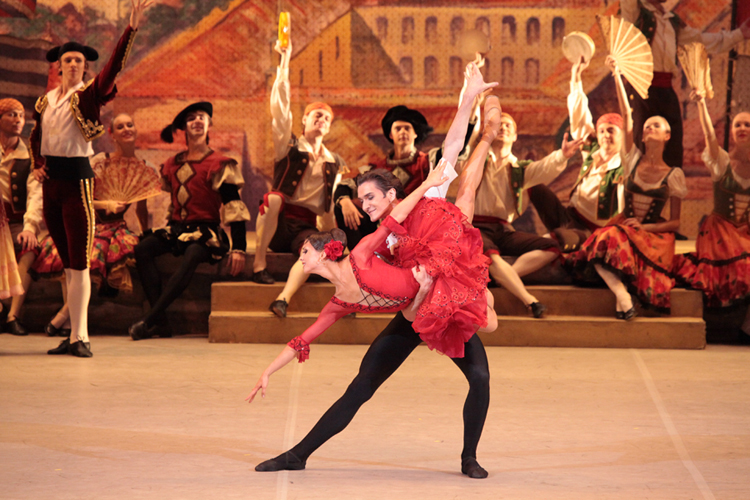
(677, 184)
(229, 173)
(327, 317)
(716, 166)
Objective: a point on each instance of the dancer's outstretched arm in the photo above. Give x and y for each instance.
(706, 124)
(473, 86)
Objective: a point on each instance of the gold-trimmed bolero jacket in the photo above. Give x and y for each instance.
(86, 103)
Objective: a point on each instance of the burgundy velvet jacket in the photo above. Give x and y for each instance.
(87, 102)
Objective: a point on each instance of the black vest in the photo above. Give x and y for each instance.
(19, 175)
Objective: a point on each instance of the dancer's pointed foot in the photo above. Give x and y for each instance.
(285, 461)
(492, 115)
(471, 468)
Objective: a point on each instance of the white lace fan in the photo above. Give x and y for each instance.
(125, 179)
(630, 49)
(694, 60)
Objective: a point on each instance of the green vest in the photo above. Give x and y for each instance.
(607, 206)
(517, 174)
(725, 190)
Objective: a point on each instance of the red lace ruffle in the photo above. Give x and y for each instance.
(302, 347)
(438, 236)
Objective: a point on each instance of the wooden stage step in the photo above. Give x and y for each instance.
(577, 317)
(559, 299)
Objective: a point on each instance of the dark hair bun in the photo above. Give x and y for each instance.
(338, 235)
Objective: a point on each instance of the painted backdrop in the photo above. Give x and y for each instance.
(361, 56)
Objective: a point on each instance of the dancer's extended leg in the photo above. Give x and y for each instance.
(387, 352)
(476, 369)
(471, 176)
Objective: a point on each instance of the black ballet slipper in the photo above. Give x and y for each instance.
(278, 307)
(263, 277)
(629, 314)
(285, 461)
(471, 468)
(80, 349)
(52, 331)
(15, 327)
(537, 309)
(61, 349)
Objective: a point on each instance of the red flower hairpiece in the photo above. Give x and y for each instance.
(334, 249)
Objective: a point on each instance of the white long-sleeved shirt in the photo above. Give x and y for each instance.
(664, 45)
(32, 219)
(495, 196)
(60, 133)
(310, 192)
(585, 197)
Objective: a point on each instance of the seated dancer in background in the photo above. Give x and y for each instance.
(597, 193)
(67, 120)
(205, 188)
(22, 198)
(405, 128)
(499, 200)
(114, 244)
(720, 266)
(636, 249)
(303, 178)
(365, 283)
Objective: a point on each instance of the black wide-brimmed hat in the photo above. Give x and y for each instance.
(55, 53)
(404, 114)
(180, 121)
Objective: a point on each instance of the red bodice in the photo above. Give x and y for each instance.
(191, 185)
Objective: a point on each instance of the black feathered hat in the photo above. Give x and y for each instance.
(404, 114)
(55, 53)
(180, 121)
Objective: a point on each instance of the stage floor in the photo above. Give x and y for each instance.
(166, 419)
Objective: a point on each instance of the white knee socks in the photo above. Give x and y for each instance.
(79, 292)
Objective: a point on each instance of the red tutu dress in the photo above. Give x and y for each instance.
(642, 259)
(720, 266)
(437, 235)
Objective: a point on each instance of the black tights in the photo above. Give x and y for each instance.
(385, 355)
(146, 253)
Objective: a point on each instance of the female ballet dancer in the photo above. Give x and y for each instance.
(67, 120)
(720, 266)
(364, 282)
(635, 250)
